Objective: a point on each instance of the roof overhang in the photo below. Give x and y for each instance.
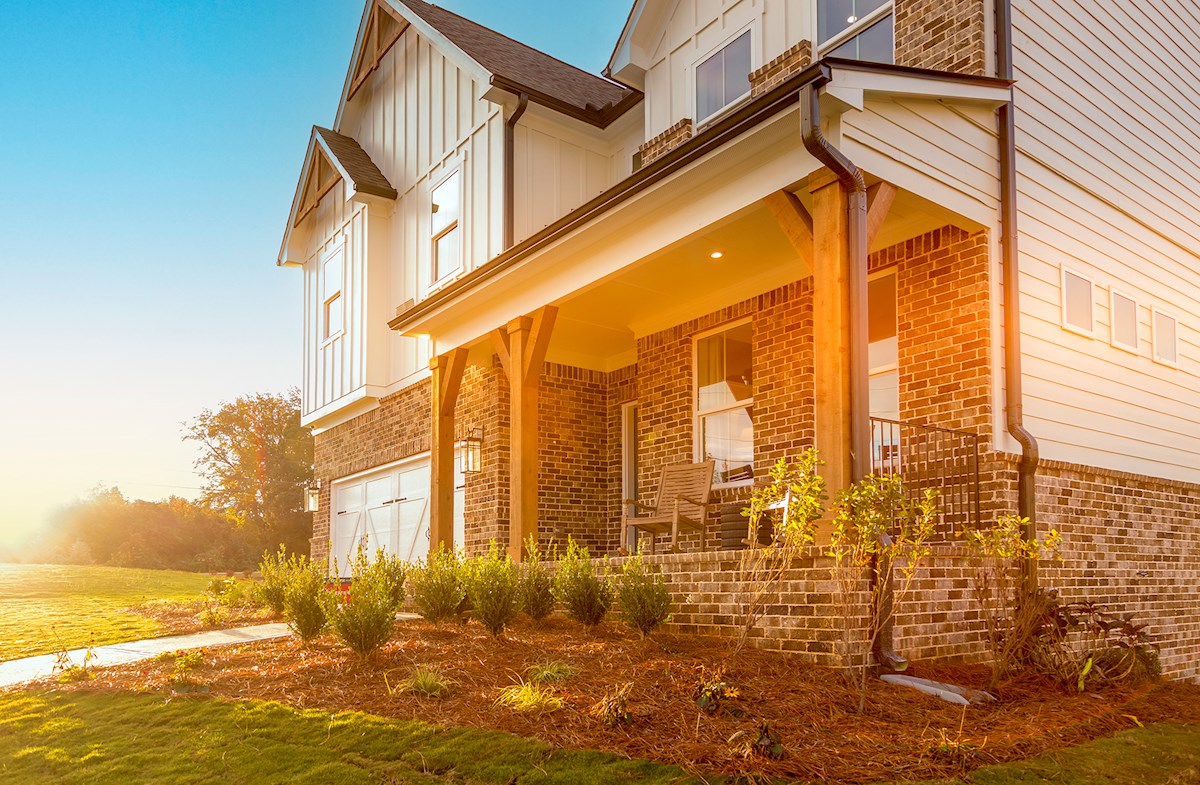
(364, 183)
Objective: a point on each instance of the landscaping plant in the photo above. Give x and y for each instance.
(304, 600)
(492, 588)
(613, 708)
(426, 681)
(586, 596)
(536, 585)
(530, 698)
(364, 617)
(880, 540)
(437, 585)
(645, 601)
(761, 570)
(549, 672)
(275, 569)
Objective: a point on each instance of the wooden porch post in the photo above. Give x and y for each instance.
(831, 327)
(522, 346)
(447, 378)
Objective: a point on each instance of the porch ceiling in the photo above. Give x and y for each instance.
(598, 326)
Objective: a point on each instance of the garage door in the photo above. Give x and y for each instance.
(388, 508)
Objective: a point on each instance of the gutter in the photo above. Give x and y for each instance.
(851, 178)
(510, 168)
(1013, 397)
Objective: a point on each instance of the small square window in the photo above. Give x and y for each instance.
(1124, 318)
(1166, 346)
(1077, 302)
(723, 78)
(331, 295)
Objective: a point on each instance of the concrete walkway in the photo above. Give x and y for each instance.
(16, 672)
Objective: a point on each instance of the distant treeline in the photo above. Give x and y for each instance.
(175, 534)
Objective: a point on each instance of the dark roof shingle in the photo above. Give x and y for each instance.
(587, 96)
(359, 167)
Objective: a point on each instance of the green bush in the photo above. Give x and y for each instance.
(587, 597)
(363, 619)
(492, 588)
(304, 600)
(645, 601)
(536, 586)
(275, 569)
(437, 586)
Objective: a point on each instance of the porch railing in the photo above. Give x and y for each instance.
(927, 457)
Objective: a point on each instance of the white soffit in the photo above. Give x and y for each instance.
(850, 84)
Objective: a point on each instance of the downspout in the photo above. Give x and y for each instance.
(851, 178)
(510, 168)
(1014, 414)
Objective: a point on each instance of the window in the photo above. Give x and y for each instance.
(1123, 314)
(1076, 302)
(723, 78)
(856, 30)
(446, 207)
(725, 403)
(1165, 340)
(883, 362)
(331, 295)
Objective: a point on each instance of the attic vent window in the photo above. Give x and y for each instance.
(1076, 302)
(724, 77)
(857, 30)
(1124, 321)
(1166, 348)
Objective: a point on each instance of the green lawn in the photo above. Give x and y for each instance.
(66, 738)
(48, 608)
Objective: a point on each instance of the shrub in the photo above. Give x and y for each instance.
(437, 586)
(586, 596)
(613, 709)
(529, 697)
(549, 672)
(645, 601)
(213, 617)
(304, 600)
(491, 584)
(363, 619)
(426, 681)
(275, 569)
(536, 586)
(186, 662)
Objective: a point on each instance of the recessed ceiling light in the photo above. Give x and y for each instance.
(716, 255)
(851, 20)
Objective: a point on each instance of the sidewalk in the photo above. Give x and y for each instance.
(16, 672)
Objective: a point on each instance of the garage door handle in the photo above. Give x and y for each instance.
(396, 501)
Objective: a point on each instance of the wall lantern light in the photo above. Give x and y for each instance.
(472, 451)
(312, 497)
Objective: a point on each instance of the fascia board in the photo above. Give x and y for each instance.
(913, 86)
(282, 260)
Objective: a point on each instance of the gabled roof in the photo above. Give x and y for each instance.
(333, 157)
(510, 65)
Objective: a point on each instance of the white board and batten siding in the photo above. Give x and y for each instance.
(420, 118)
(691, 30)
(1108, 97)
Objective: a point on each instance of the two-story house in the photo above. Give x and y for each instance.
(954, 240)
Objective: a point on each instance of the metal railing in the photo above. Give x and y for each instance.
(926, 457)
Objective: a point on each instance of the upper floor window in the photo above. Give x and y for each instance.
(723, 78)
(857, 30)
(1076, 302)
(725, 402)
(1123, 314)
(445, 229)
(1166, 346)
(331, 295)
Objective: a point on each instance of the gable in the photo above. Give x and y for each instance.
(383, 29)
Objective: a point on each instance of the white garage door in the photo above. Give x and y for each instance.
(388, 508)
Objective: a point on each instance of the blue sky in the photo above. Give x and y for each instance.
(148, 156)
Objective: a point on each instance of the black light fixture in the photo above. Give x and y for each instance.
(472, 451)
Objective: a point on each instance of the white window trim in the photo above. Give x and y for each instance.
(1062, 287)
(854, 30)
(698, 414)
(1155, 312)
(329, 338)
(431, 250)
(755, 61)
(1113, 294)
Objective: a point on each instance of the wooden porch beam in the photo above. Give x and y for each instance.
(794, 220)
(447, 380)
(879, 203)
(521, 346)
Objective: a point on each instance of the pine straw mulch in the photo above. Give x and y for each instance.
(810, 707)
(177, 617)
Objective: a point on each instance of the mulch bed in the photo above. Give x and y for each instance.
(182, 618)
(812, 708)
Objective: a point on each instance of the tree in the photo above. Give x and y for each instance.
(257, 460)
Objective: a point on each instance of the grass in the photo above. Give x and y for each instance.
(48, 608)
(1154, 755)
(120, 738)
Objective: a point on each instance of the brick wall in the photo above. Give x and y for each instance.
(665, 142)
(945, 35)
(782, 68)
